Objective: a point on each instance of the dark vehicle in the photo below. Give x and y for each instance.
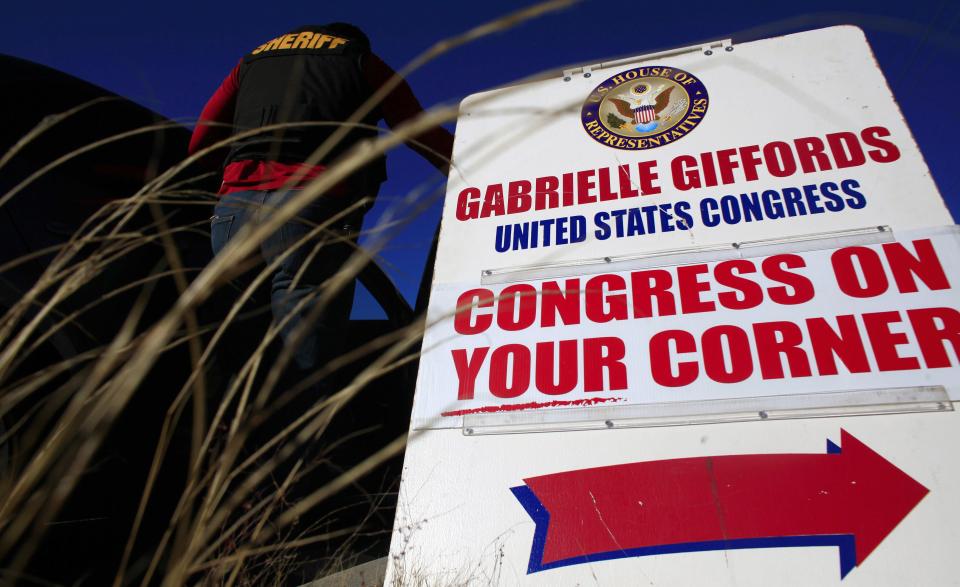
(63, 175)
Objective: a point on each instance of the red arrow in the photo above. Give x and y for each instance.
(851, 499)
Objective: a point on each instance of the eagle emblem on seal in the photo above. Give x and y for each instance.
(643, 105)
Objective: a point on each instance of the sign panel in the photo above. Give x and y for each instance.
(749, 223)
(858, 317)
(788, 136)
(637, 506)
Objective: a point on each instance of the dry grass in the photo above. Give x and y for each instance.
(232, 521)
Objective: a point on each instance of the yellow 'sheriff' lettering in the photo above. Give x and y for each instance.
(304, 40)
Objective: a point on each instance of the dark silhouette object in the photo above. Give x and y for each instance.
(87, 539)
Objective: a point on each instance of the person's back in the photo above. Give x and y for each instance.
(311, 75)
(317, 76)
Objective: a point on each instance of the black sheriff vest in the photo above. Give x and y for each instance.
(311, 74)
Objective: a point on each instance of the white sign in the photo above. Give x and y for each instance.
(655, 237)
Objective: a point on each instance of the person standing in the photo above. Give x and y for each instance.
(315, 74)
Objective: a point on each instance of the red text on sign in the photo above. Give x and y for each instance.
(776, 350)
(552, 368)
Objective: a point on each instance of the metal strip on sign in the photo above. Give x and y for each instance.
(705, 254)
(709, 46)
(867, 402)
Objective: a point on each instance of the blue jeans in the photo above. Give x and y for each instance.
(235, 210)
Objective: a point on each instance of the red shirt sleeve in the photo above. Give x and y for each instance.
(219, 110)
(401, 105)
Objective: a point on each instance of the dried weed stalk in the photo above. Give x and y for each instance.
(233, 523)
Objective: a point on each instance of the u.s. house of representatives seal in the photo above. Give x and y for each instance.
(645, 107)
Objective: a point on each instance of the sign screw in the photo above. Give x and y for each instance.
(566, 79)
(469, 431)
(763, 415)
(607, 259)
(588, 74)
(708, 52)
(609, 423)
(487, 272)
(729, 48)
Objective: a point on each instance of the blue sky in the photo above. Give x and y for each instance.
(172, 55)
